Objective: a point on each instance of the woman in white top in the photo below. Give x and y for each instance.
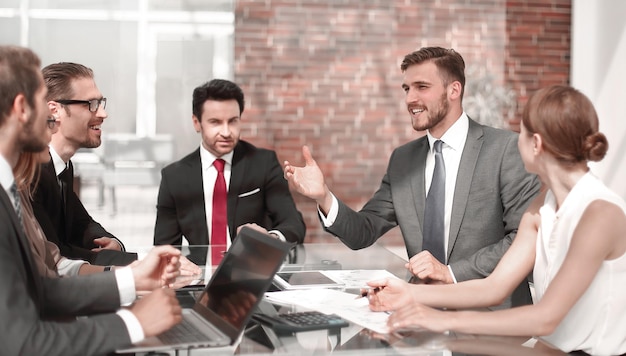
(572, 237)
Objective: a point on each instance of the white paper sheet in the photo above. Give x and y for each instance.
(357, 278)
(331, 301)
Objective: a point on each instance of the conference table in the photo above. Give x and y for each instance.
(259, 339)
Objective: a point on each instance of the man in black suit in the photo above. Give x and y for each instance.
(38, 314)
(257, 192)
(79, 108)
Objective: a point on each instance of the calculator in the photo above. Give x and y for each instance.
(301, 321)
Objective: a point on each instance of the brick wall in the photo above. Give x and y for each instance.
(326, 74)
(538, 47)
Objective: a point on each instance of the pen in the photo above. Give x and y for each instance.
(366, 292)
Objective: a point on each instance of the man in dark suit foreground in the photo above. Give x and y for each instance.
(38, 314)
(486, 187)
(257, 194)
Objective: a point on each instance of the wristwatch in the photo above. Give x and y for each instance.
(107, 268)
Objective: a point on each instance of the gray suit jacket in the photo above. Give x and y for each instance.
(492, 192)
(36, 313)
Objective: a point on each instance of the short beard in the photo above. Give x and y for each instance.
(91, 143)
(87, 143)
(436, 117)
(33, 146)
(32, 142)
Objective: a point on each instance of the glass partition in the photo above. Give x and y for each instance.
(147, 57)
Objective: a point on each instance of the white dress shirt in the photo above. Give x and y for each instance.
(452, 149)
(58, 162)
(6, 177)
(59, 166)
(209, 175)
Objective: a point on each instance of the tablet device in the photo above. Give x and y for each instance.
(305, 279)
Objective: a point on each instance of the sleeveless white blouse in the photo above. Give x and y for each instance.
(597, 322)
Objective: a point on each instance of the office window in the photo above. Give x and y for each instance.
(147, 55)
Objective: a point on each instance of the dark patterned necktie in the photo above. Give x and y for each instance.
(219, 222)
(65, 178)
(434, 213)
(17, 201)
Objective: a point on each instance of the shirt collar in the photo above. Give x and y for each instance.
(6, 174)
(455, 136)
(58, 162)
(207, 158)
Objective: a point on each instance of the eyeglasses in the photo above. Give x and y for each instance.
(94, 104)
(51, 121)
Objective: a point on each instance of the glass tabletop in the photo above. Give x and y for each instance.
(316, 256)
(352, 340)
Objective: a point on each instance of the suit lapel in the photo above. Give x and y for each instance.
(22, 242)
(464, 177)
(238, 171)
(414, 168)
(70, 179)
(193, 177)
(68, 217)
(63, 214)
(418, 180)
(67, 182)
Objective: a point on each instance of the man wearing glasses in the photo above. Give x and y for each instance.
(78, 107)
(38, 315)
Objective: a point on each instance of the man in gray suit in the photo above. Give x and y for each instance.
(486, 186)
(37, 314)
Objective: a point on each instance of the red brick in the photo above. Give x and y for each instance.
(326, 74)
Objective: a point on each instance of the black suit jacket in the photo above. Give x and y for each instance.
(73, 230)
(29, 303)
(257, 193)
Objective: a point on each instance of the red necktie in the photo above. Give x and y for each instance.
(219, 221)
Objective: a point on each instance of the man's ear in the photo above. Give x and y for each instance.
(196, 123)
(53, 106)
(454, 90)
(21, 108)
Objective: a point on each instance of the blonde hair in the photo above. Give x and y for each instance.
(26, 172)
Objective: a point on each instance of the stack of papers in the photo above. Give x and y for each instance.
(357, 278)
(330, 301)
(344, 279)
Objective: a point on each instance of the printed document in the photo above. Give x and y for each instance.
(331, 301)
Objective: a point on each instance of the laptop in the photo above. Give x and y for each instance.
(222, 311)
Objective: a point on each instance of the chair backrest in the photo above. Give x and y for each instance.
(132, 160)
(121, 148)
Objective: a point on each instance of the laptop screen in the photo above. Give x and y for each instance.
(243, 277)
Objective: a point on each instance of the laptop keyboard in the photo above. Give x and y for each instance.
(187, 332)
